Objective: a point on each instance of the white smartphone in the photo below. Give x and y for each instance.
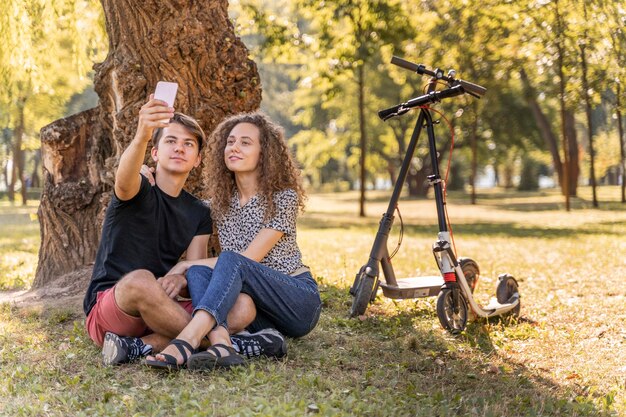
(166, 91)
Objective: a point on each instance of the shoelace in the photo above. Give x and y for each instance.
(250, 348)
(138, 350)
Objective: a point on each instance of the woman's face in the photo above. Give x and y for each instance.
(243, 148)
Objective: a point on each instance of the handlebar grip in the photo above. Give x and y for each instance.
(384, 114)
(404, 64)
(471, 88)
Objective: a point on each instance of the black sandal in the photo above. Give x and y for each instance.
(170, 363)
(213, 358)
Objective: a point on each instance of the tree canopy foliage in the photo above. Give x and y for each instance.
(541, 60)
(47, 49)
(554, 70)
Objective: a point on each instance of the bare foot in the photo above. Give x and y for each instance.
(173, 351)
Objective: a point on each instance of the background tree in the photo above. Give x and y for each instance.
(191, 43)
(512, 48)
(547, 43)
(614, 18)
(589, 41)
(350, 35)
(44, 48)
(342, 42)
(467, 44)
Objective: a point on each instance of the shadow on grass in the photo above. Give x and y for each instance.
(335, 221)
(502, 199)
(459, 374)
(577, 204)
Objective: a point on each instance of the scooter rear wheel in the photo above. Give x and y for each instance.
(507, 287)
(363, 295)
(452, 317)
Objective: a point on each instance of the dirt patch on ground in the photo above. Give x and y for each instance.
(66, 291)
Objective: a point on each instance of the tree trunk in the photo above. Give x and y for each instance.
(474, 163)
(592, 155)
(21, 155)
(573, 153)
(6, 176)
(543, 123)
(416, 181)
(12, 170)
(17, 169)
(508, 176)
(496, 172)
(560, 58)
(35, 178)
(622, 146)
(363, 137)
(192, 43)
(391, 170)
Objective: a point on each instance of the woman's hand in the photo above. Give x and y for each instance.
(148, 172)
(180, 268)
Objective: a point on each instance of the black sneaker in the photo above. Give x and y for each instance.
(117, 350)
(266, 342)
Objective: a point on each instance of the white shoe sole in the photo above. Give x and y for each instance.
(111, 353)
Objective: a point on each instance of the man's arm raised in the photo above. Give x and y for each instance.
(127, 177)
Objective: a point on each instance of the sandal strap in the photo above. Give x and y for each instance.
(217, 353)
(181, 345)
(169, 359)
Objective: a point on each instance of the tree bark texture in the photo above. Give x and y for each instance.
(188, 42)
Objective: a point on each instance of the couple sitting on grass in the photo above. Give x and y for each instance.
(244, 300)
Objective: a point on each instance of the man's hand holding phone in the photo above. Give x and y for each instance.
(166, 91)
(158, 111)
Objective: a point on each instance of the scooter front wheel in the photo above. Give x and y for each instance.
(452, 314)
(363, 295)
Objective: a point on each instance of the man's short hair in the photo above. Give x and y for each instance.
(188, 123)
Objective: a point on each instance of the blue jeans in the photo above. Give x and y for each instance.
(290, 304)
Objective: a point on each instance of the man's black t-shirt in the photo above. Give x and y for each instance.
(150, 231)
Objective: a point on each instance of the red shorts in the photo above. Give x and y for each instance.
(106, 316)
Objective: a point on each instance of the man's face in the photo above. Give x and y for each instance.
(177, 150)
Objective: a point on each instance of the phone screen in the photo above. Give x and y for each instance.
(166, 91)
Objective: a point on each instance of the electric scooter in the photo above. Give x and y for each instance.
(455, 285)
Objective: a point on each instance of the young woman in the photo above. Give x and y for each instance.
(255, 195)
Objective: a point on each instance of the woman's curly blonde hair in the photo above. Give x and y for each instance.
(277, 167)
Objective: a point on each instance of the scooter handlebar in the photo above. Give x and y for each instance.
(469, 87)
(403, 63)
(432, 97)
(473, 89)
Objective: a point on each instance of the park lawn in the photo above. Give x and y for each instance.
(565, 356)
(19, 245)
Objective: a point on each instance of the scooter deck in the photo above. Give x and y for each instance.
(414, 287)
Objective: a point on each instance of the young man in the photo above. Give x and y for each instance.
(131, 302)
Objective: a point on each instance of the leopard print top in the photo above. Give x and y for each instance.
(241, 225)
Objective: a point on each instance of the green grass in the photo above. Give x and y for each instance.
(19, 245)
(566, 355)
